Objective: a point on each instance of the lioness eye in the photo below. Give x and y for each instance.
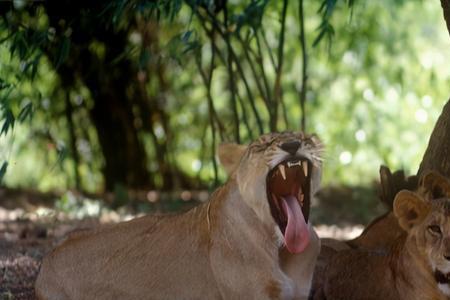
(434, 229)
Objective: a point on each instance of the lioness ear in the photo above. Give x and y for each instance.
(409, 209)
(230, 155)
(435, 184)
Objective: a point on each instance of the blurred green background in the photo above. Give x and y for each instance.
(119, 94)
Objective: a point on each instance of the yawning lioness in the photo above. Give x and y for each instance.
(227, 248)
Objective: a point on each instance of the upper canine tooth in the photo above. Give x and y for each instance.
(282, 171)
(305, 167)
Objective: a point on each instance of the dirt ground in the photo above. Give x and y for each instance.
(25, 238)
(24, 241)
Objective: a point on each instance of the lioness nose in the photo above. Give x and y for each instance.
(290, 147)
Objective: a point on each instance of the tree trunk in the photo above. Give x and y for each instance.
(446, 9)
(72, 139)
(113, 117)
(125, 159)
(124, 154)
(437, 155)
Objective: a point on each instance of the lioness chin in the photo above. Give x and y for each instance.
(227, 248)
(416, 267)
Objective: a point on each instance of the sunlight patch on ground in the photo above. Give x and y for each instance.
(339, 233)
(46, 215)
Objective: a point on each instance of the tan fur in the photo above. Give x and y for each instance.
(381, 233)
(227, 248)
(406, 270)
(433, 185)
(300, 267)
(230, 156)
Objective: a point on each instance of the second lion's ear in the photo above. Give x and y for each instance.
(230, 155)
(410, 209)
(434, 184)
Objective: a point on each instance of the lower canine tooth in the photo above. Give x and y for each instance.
(305, 167)
(282, 171)
(275, 200)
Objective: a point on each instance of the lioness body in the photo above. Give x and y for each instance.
(394, 274)
(384, 231)
(414, 266)
(222, 249)
(381, 233)
(215, 258)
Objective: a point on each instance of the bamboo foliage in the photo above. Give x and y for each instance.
(92, 49)
(241, 45)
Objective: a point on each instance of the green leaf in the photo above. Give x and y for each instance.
(25, 112)
(182, 44)
(144, 58)
(174, 9)
(3, 170)
(9, 121)
(4, 100)
(186, 36)
(34, 65)
(6, 37)
(62, 153)
(325, 29)
(252, 15)
(190, 41)
(63, 52)
(327, 8)
(191, 46)
(4, 84)
(331, 4)
(119, 11)
(19, 44)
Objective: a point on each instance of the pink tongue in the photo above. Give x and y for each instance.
(296, 235)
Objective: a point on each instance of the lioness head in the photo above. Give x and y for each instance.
(277, 176)
(427, 221)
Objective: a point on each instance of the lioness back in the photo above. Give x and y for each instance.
(119, 260)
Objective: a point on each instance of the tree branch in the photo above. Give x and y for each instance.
(240, 70)
(260, 60)
(277, 88)
(302, 94)
(231, 79)
(207, 80)
(72, 139)
(246, 50)
(269, 50)
(244, 117)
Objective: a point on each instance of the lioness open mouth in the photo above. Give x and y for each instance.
(288, 192)
(441, 277)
